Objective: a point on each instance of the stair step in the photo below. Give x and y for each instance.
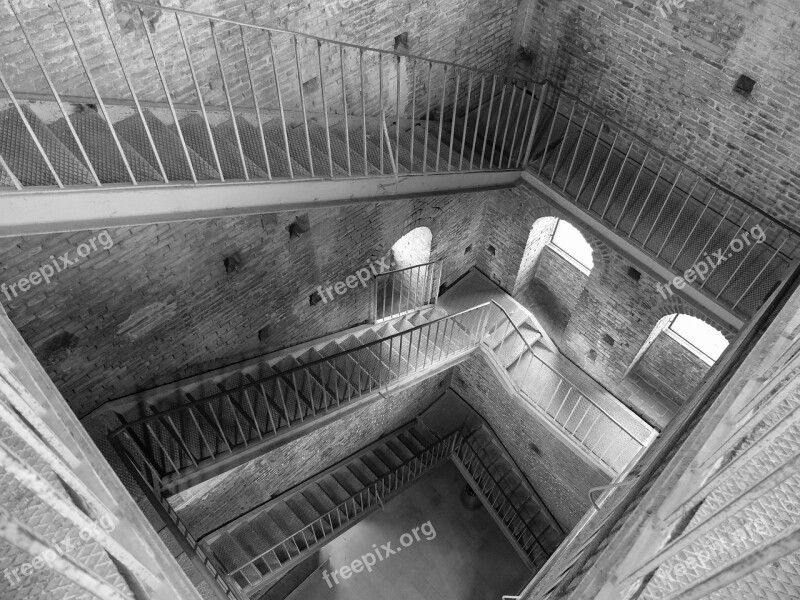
(362, 471)
(348, 481)
(334, 490)
(375, 464)
(25, 161)
(407, 140)
(254, 147)
(357, 149)
(96, 138)
(196, 135)
(317, 497)
(169, 147)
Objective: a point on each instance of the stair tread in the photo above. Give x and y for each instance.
(167, 143)
(24, 159)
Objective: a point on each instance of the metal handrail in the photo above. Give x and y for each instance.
(648, 144)
(466, 444)
(416, 458)
(182, 11)
(582, 393)
(433, 262)
(296, 369)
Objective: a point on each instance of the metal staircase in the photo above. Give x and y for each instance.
(198, 100)
(258, 547)
(183, 433)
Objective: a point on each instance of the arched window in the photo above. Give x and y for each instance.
(569, 241)
(699, 337)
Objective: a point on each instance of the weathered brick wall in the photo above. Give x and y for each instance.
(273, 473)
(541, 233)
(671, 80)
(563, 278)
(611, 303)
(671, 367)
(557, 473)
(440, 30)
(159, 305)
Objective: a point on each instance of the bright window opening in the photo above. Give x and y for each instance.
(570, 241)
(699, 337)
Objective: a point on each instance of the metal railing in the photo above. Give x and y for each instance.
(236, 97)
(403, 291)
(673, 212)
(504, 508)
(329, 524)
(610, 440)
(171, 443)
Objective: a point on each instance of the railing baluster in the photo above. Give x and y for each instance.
(413, 111)
(664, 204)
(344, 110)
(325, 108)
(617, 180)
(647, 199)
(516, 125)
(363, 109)
(714, 233)
(694, 227)
(497, 127)
(678, 217)
(263, 140)
(575, 153)
(477, 123)
(427, 120)
(546, 148)
(229, 101)
(752, 283)
(380, 104)
(453, 121)
(397, 125)
(280, 105)
(605, 168)
(733, 238)
(303, 104)
(441, 118)
(199, 97)
(466, 121)
(563, 140)
(633, 188)
(508, 123)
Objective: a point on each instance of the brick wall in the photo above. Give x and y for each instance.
(541, 233)
(611, 302)
(254, 483)
(561, 277)
(159, 305)
(441, 30)
(557, 473)
(671, 80)
(672, 368)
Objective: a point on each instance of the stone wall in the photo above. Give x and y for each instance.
(160, 304)
(670, 78)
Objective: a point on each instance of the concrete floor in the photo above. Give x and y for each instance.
(468, 558)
